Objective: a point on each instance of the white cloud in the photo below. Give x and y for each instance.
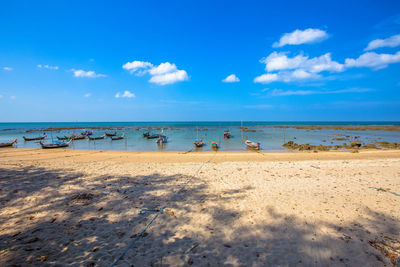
(163, 68)
(87, 95)
(301, 37)
(165, 73)
(47, 67)
(280, 61)
(1, 96)
(7, 68)
(126, 94)
(231, 79)
(169, 78)
(286, 76)
(267, 78)
(13, 97)
(86, 74)
(137, 65)
(373, 60)
(279, 92)
(392, 41)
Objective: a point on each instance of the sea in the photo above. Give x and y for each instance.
(181, 135)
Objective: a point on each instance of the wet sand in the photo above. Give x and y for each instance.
(81, 208)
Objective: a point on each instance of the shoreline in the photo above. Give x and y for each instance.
(193, 156)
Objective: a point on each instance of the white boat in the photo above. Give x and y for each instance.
(252, 145)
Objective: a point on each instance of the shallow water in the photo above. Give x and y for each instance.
(182, 134)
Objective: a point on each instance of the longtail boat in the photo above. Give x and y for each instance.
(162, 139)
(35, 138)
(153, 136)
(199, 143)
(8, 144)
(87, 133)
(118, 137)
(96, 137)
(227, 134)
(214, 145)
(111, 134)
(62, 138)
(146, 134)
(55, 145)
(252, 145)
(78, 137)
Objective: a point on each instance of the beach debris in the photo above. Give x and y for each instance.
(389, 247)
(227, 245)
(53, 219)
(385, 190)
(42, 258)
(190, 261)
(83, 196)
(95, 249)
(171, 213)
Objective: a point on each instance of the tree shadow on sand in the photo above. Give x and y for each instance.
(58, 217)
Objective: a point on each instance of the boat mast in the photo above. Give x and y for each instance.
(241, 129)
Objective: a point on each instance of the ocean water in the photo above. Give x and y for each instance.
(182, 134)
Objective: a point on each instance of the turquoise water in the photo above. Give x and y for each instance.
(182, 134)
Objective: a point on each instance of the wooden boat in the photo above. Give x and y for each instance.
(62, 138)
(8, 144)
(214, 145)
(199, 143)
(227, 134)
(162, 139)
(55, 145)
(87, 133)
(35, 138)
(146, 134)
(252, 145)
(78, 137)
(118, 137)
(111, 134)
(153, 136)
(96, 137)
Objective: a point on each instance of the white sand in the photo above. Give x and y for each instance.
(239, 209)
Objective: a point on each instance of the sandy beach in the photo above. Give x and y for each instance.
(82, 208)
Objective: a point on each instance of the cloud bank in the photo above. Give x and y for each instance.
(392, 41)
(301, 37)
(163, 74)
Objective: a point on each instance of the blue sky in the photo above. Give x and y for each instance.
(199, 60)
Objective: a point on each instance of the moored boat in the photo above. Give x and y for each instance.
(214, 145)
(118, 137)
(146, 134)
(162, 139)
(153, 136)
(55, 145)
(77, 137)
(9, 143)
(227, 134)
(35, 138)
(199, 143)
(111, 134)
(62, 138)
(87, 133)
(252, 145)
(96, 137)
